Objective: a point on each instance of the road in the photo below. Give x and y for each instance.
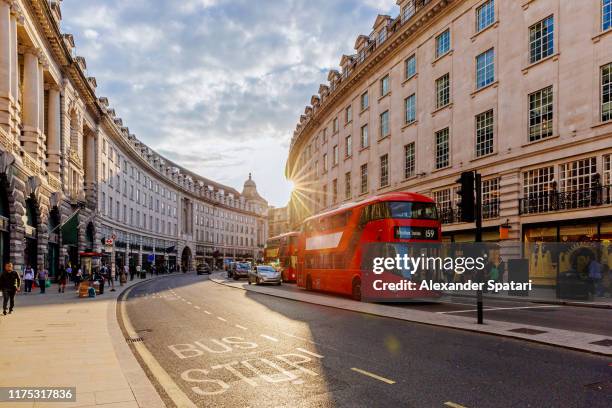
(231, 348)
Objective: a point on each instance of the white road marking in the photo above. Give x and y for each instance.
(207, 312)
(222, 319)
(309, 352)
(498, 308)
(369, 374)
(299, 338)
(453, 405)
(189, 303)
(241, 327)
(265, 336)
(197, 307)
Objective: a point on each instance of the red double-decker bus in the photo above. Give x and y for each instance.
(281, 252)
(331, 244)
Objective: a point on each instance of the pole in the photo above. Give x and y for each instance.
(478, 214)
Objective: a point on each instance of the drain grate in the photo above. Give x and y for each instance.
(605, 386)
(604, 342)
(525, 330)
(134, 339)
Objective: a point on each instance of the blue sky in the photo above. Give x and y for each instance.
(217, 85)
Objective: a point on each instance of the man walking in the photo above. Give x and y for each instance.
(42, 280)
(10, 283)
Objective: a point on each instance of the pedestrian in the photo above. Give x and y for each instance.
(100, 278)
(10, 283)
(69, 277)
(28, 277)
(595, 274)
(62, 276)
(111, 277)
(78, 278)
(132, 272)
(42, 279)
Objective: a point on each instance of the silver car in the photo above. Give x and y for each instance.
(264, 274)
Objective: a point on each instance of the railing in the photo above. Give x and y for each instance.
(565, 200)
(452, 215)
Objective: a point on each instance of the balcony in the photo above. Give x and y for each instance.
(452, 215)
(565, 200)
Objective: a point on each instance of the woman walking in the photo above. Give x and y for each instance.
(28, 277)
(62, 277)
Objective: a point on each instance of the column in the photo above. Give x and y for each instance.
(41, 96)
(90, 159)
(53, 132)
(14, 58)
(5, 65)
(31, 93)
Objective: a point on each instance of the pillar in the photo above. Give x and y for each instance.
(14, 59)
(53, 132)
(31, 94)
(90, 159)
(41, 98)
(5, 66)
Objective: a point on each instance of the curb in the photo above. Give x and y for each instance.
(473, 330)
(540, 301)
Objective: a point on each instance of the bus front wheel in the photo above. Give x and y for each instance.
(356, 293)
(308, 283)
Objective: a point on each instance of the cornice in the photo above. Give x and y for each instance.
(380, 56)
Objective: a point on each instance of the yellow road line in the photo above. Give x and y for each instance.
(163, 378)
(369, 374)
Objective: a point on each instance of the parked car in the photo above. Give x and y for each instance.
(239, 270)
(264, 274)
(203, 268)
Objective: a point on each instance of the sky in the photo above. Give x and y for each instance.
(217, 85)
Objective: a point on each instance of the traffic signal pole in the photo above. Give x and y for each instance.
(478, 220)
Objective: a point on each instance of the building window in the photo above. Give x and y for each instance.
(348, 146)
(410, 66)
(485, 15)
(442, 91)
(325, 195)
(607, 172)
(442, 149)
(442, 43)
(382, 36)
(334, 191)
(578, 175)
(348, 114)
(335, 156)
(541, 114)
(364, 178)
(444, 203)
(606, 92)
(484, 133)
(335, 125)
(538, 189)
(541, 42)
(103, 204)
(485, 68)
(347, 186)
(409, 160)
(384, 124)
(364, 100)
(408, 11)
(490, 198)
(606, 14)
(364, 140)
(325, 163)
(410, 109)
(384, 85)
(384, 170)
(324, 135)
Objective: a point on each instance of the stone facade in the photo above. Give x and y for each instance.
(278, 221)
(516, 90)
(56, 139)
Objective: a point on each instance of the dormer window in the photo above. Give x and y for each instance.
(382, 36)
(408, 11)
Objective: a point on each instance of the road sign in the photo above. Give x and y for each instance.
(151, 258)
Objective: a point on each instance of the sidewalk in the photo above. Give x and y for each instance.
(62, 340)
(588, 342)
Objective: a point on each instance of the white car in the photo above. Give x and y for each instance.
(264, 274)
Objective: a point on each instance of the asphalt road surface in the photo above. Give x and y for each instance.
(225, 347)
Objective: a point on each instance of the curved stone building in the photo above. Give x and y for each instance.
(520, 91)
(73, 178)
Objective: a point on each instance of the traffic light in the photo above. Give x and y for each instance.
(466, 196)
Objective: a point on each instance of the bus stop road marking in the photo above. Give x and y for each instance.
(369, 374)
(453, 405)
(309, 352)
(241, 327)
(207, 312)
(265, 336)
(197, 307)
(222, 319)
